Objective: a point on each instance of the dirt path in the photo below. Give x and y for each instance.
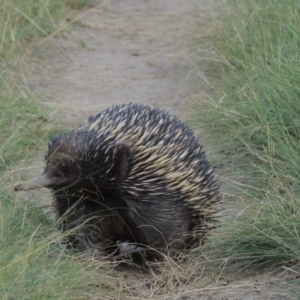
(122, 51)
(133, 51)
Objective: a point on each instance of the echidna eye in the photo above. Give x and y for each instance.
(59, 173)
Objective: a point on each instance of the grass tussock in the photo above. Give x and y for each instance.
(23, 125)
(33, 264)
(254, 121)
(24, 21)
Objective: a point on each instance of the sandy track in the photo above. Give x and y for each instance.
(122, 51)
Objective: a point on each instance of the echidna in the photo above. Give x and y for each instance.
(131, 174)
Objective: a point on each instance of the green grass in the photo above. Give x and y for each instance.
(23, 126)
(33, 263)
(255, 122)
(22, 22)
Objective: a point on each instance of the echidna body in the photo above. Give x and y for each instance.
(133, 174)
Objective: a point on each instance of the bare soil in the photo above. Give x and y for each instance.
(120, 51)
(123, 51)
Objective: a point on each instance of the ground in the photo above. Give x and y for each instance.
(123, 51)
(120, 51)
